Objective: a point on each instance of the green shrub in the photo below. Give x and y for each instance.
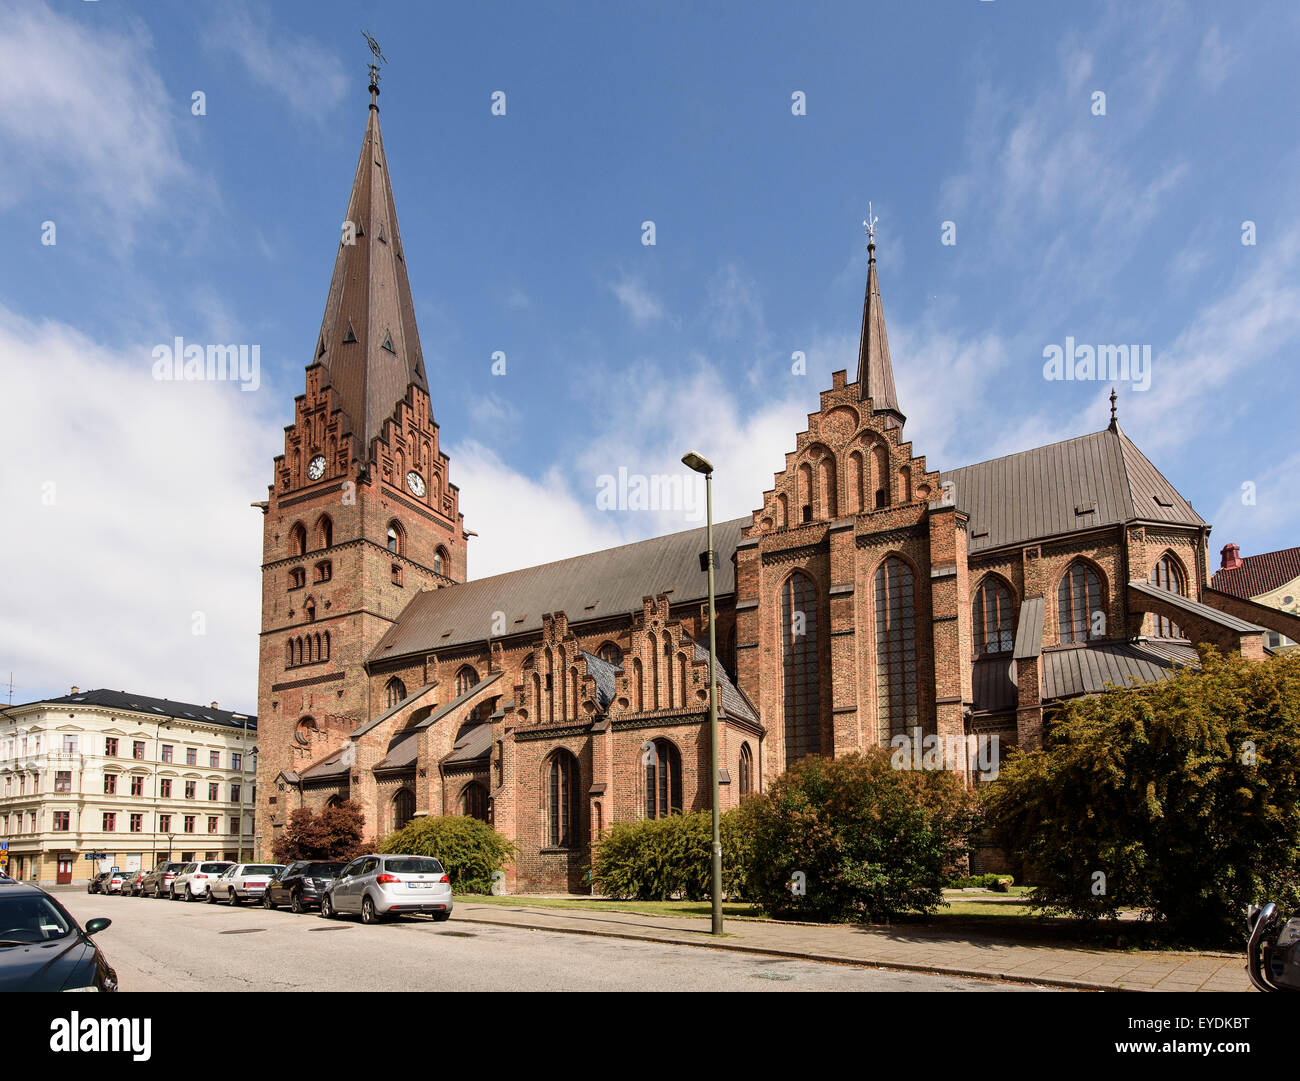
(470, 850)
(667, 858)
(871, 841)
(1179, 798)
(1000, 883)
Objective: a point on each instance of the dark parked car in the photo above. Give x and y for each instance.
(131, 884)
(300, 885)
(96, 884)
(158, 882)
(42, 948)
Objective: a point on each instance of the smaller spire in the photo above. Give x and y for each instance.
(875, 369)
(1114, 419)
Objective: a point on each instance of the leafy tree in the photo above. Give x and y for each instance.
(1179, 798)
(334, 834)
(469, 849)
(870, 841)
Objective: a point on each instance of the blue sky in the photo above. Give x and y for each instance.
(132, 552)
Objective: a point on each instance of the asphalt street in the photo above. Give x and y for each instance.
(174, 946)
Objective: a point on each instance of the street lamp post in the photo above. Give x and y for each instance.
(170, 838)
(702, 465)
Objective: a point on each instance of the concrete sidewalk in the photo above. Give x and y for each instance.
(918, 949)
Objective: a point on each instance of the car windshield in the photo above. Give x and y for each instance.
(30, 918)
(413, 865)
(321, 870)
(213, 868)
(261, 869)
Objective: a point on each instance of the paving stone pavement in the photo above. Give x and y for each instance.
(922, 949)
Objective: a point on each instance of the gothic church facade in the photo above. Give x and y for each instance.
(868, 596)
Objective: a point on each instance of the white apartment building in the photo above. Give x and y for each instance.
(127, 779)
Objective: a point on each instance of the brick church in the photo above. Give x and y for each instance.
(868, 596)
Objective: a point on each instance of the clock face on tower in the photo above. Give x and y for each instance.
(415, 482)
(316, 467)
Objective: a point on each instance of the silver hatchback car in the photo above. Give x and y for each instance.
(390, 885)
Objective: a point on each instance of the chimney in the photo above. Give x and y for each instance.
(214, 705)
(1231, 557)
(76, 690)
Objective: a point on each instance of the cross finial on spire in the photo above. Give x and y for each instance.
(1114, 421)
(870, 225)
(376, 58)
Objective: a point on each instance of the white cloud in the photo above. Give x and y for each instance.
(641, 305)
(149, 522)
(301, 70)
(1216, 59)
(84, 113)
(732, 307)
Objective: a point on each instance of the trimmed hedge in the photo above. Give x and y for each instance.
(470, 850)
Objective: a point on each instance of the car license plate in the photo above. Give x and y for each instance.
(419, 885)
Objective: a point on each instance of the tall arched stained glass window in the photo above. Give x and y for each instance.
(897, 682)
(1078, 599)
(1167, 574)
(799, 667)
(991, 617)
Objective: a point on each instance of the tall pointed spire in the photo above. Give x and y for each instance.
(369, 344)
(875, 370)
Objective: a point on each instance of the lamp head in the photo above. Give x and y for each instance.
(694, 461)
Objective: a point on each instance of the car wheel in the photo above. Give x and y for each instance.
(211, 898)
(232, 898)
(368, 912)
(267, 903)
(295, 903)
(327, 908)
(189, 895)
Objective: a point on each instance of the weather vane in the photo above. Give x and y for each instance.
(870, 224)
(377, 57)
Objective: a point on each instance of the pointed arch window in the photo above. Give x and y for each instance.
(746, 770)
(611, 654)
(324, 532)
(801, 675)
(1167, 574)
(473, 802)
(992, 618)
(1078, 598)
(663, 779)
(394, 691)
(396, 538)
(561, 789)
(466, 678)
(897, 676)
(298, 540)
(440, 561)
(403, 807)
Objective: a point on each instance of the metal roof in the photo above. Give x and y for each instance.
(474, 743)
(586, 587)
(158, 708)
(1090, 669)
(1093, 480)
(1195, 608)
(419, 692)
(1029, 630)
(993, 684)
(731, 699)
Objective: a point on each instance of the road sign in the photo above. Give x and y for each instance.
(98, 855)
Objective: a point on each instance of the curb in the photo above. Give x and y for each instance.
(800, 955)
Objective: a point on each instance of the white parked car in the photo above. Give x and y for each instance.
(192, 880)
(379, 886)
(242, 882)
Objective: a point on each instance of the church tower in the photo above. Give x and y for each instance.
(360, 515)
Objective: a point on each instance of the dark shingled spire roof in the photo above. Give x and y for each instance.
(369, 344)
(875, 369)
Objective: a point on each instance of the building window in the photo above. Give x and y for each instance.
(191, 756)
(439, 561)
(214, 759)
(746, 770)
(297, 578)
(1077, 598)
(189, 823)
(165, 788)
(1167, 574)
(466, 678)
(235, 793)
(110, 747)
(896, 665)
(61, 821)
(298, 540)
(395, 539)
(191, 788)
(394, 691)
(324, 532)
(324, 571)
(396, 572)
(164, 823)
(663, 780)
(110, 822)
(110, 784)
(137, 823)
(69, 744)
(403, 807)
(309, 614)
(137, 750)
(562, 800)
(234, 825)
(213, 790)
(167, 752)
(991, 617)
(611, 654)
(212, 823)
(236, 760)
(137, 784)
(799, 667)
(63, 780)
(473, 801)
